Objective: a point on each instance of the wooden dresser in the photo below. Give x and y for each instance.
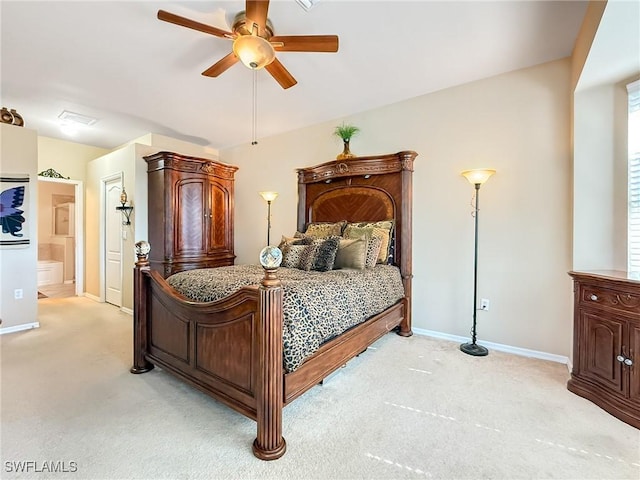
(606, 342)
(190, 212)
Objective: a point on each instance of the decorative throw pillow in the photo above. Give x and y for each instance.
(325, 229)
(295, 240)
(305, 240)
(285, 241)
(354, 231)
(373, 250)
(352, 253)
(325, 255)
(298, 256)
(383, 230)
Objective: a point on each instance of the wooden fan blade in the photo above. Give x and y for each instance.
(221, 66)
(281, 74)
(305, 43)
(256, 12)
(185, 22)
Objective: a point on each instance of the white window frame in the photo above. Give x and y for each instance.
(633, 179)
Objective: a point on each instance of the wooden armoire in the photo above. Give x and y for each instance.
(190, 212)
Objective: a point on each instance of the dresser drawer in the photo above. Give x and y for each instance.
(609, 299)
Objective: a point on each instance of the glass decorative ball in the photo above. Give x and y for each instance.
(142, 248)
(270, 257)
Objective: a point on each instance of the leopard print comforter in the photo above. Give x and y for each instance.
(317, 305)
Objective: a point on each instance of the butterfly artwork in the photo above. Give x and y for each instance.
(11, 216)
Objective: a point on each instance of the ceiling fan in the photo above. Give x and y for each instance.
(254, 43)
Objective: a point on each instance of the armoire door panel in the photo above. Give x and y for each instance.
(191, 220)
(220, 218)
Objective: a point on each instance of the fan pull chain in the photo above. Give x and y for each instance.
(254, 127)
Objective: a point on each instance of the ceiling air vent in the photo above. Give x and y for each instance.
(307, 4)
(76, 118)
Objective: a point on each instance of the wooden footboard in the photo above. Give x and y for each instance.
(231, 349)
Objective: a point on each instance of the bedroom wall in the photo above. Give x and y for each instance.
(19, 154)
(118, 161)
(585, 38)
(600, 178)
(517, 123)
(67, 158)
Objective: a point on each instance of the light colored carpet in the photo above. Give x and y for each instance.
(408, 408)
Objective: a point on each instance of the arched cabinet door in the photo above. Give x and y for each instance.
(190, 212)
(220, 197)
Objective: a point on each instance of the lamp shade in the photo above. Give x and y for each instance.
(478, 176)
(253, 51)
(269, 196)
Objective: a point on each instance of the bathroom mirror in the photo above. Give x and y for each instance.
(63, 219)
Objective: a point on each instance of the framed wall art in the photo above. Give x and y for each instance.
(14, 210)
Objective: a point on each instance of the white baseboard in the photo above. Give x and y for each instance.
(525, 352)
(91, 297)
(126, 310)
(19, 328)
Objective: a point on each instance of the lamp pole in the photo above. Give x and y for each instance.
(477, 178)
(268, 221)
(473, 348)
(268, 197)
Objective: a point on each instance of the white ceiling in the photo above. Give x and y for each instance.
(116, 62)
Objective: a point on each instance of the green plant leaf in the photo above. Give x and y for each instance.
(346, 131)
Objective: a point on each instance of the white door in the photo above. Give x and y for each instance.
(113, 243)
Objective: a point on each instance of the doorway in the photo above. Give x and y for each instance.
(60, 238)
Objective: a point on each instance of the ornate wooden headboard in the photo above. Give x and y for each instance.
(363, 189)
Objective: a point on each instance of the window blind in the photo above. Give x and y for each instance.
(633, 212)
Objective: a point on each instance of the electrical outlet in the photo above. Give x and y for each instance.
(484, 304)
(17, 293)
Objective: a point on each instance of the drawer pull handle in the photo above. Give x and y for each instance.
(593, 297)
(628, 362)
(620, 358)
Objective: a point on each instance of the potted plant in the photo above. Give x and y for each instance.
(345, 132)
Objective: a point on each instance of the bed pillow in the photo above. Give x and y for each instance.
(355, 231)
(325, 253)
(325, 229)
(373, 250)
(297, 239)
(352, 253)
(382, 230)
(285, 241)
(298, 256)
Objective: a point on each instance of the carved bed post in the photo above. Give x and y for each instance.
(140, 363)
(406, 260)
(269, 443)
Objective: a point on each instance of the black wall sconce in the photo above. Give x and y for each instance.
(124, 208)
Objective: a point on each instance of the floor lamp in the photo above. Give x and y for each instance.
(268, 197)
(476, 177)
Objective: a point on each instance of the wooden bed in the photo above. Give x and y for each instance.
(232, 348)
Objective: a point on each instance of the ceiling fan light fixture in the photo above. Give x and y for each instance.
(253, 51)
